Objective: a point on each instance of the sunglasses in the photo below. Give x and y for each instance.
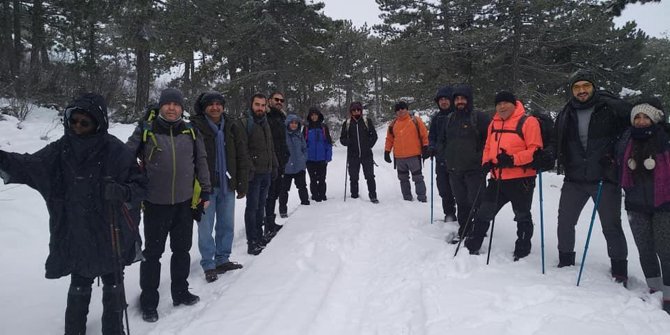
(82, 122)
(278, 99)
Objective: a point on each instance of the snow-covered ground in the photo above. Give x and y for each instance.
(341, 268)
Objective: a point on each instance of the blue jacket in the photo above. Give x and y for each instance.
(319, 142)
(297, 147)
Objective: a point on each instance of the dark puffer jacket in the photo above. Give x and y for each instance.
(439, 119)
(610, 117)
(260, 142)
(70, 174)
(237, 152)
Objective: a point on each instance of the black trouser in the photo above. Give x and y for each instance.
(317, 179)
(159, 221)
(651, 232)
(465, 185)
(273, 194)
(444, 188)
(79, 297)
(367, 163)
(300, 183)
(517, 191)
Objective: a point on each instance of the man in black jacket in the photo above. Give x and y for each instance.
(587, 130)
(461, 144)
(276, 118)
(437, 123)
(88, 179)
(359, 136)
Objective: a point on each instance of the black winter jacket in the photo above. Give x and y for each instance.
(358, 136)
(611, 116)
(276, 119)
(70, 174)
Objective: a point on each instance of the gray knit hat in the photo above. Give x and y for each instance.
(651, 107)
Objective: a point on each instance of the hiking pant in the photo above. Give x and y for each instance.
(651, 232)
(159, 222)
(300, 183)
(412, 165)
(317, 179)
(465, 185)
(273, 193)
(367, 163)
(79, 298)
(444, 187)
(573, 199)
(254, 212)
(519, 192)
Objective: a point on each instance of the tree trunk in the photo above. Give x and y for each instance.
(6, 45)
(143, 66)
(516, 44)
(37, 42)
(18, 50)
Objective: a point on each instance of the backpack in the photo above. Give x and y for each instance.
(546, 127)
(348, 121)
(416, 124)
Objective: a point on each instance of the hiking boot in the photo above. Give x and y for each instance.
(254, 248)
(473, 252)
(520, 254)
(620, 271)
(454, 239)
(149, 315)
(566, 259)
(305, 203)
(666, 306)
(374, 200)
(283, 215)
(450, 218)
(227, 266)
(354, 195)
(211, 275)
(185, 298)
(406, 197)
(422, 199)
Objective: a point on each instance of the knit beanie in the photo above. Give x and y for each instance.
(210, 97)
(356, 105)
(651, 107)
(582, 75)
(444, 92)
(505, 96)
(400, 105)
(171, 95)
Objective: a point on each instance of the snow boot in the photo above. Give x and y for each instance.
(185, 298)
(566, 259)
(450, 217)
(666, 306)
(254, 248)
(149, 315)
(620, 271)
(78, 298)
(211, 275)
(113, 303)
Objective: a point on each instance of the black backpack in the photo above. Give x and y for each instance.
(546, 127)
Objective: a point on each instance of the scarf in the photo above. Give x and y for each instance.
(220, 141)
(661, 174)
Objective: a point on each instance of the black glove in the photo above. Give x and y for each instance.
(486, 167)
(606, 161)
(505, 160)
(387, 156)
(198, 211)
(116, 192)
(542, 161)
(426, 152)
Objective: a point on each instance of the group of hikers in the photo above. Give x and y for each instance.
(177, 171)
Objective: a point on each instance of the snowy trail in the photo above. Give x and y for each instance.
(343, 268)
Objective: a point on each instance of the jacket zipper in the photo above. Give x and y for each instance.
(358, 137)
(174, 165)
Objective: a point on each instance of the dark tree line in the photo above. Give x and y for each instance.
(52, 49)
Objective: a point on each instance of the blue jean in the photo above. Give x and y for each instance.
(216, 250)
(254, 213)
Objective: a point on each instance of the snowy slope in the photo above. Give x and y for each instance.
(341, 268)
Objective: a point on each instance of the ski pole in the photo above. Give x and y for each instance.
(472, 210)
(346, 171)
(588, 236)
(539, 173)
(431, 190)
(493, 222)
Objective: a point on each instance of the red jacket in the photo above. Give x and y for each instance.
(521, 149)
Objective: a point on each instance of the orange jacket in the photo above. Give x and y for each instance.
(404, 140)
(521, 149)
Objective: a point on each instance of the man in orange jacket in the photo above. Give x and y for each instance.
(508, 155)
(408, 138)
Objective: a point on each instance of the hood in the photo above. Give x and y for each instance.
(290, 118)
(92, 104)
(314, 110)
(443, 92)
(462, 90)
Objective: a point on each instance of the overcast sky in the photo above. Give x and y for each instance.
(651, 17)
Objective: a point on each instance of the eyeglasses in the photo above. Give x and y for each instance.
(82, 122)
(278, 99)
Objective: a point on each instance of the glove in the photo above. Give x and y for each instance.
(198, 211)
(387, 156)
(542, 161)
(486, 167)
(606, 161)
(116, 192)
(505, 160)
(426, 152)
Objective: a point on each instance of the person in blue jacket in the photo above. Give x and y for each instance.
(319, 153)
(296, 165)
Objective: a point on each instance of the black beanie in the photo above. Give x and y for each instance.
(171, 95)
(210, 97)
(582, 75)
(505, 96)
(355, 105)
(444, 92)
(400, 105)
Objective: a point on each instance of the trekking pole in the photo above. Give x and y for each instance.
(472, 210)
(116, 249)
(539, 173)
(431, 190)
(493, 222)
(588, 236)
(346, 171)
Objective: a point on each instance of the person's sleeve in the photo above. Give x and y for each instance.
(486, 155)
(533, 137)
(388, 145)
(483, 124)
(34, 170)
(242, 156)
(201, 168)
(135, 140)
(373, 133)
(343, 135)
(423, 133)
(432, 133)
